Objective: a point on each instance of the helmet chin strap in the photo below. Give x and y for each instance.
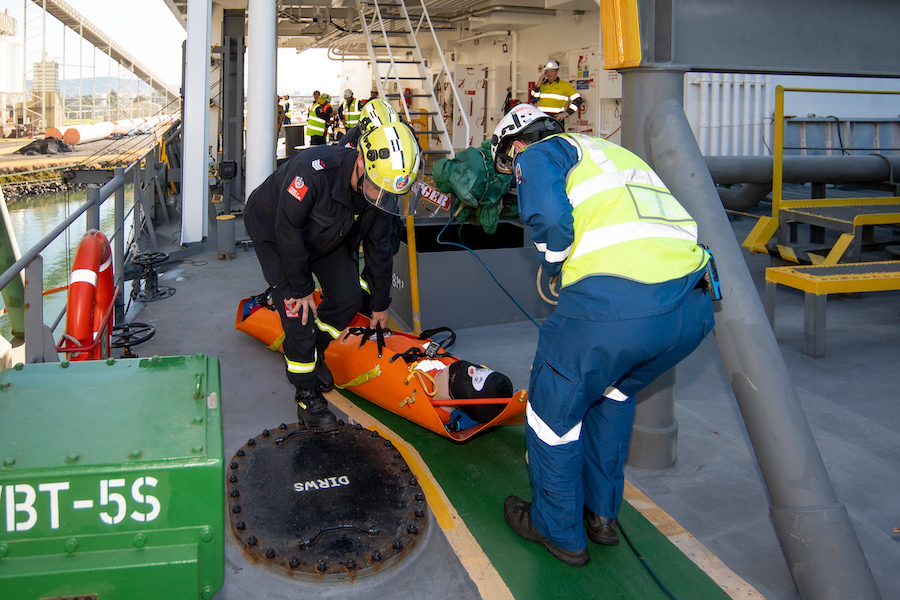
(359, 178)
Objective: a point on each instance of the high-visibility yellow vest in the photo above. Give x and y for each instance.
(556, 97)
(315, 125)
(288, 109)
(351, 112)
(627, 223)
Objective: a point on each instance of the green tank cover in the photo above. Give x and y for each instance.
(111, 479)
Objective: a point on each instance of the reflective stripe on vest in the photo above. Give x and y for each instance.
(552, 100)
(627, 224)
(351, 113)
(315, 125)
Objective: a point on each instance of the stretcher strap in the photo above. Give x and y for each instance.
(274, 346)
(361, 378)
(423, 377)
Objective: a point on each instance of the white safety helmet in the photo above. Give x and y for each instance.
(523, 122)
(551, 65)
(348, 93)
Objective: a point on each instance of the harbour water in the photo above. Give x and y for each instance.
(35, 217)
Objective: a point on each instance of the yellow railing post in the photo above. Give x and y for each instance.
(778, 158)
(413, 274)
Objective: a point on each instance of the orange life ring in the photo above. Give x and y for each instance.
(90, 294)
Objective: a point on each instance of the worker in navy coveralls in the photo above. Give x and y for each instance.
(308, 218)
(632, 304)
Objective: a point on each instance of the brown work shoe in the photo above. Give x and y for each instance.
(518, 515)
(601, 530)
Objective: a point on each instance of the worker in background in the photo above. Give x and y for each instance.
(555, 97)
(308, 219)
(348, 111)
(312, 107)
(372, 95)
(319, 120)
(373, 113)
(632, 304)
(279, 115)
(288, 114)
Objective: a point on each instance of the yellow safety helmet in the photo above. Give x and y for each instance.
(392, 160)
(375, 113)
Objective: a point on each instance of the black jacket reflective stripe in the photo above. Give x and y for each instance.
(308, 229)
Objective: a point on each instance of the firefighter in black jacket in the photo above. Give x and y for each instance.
(308, 218)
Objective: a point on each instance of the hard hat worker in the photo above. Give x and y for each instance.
(288, 109)
(632, 304)
(555, 97)
(319, 119)
(348, 111)
(308, 219)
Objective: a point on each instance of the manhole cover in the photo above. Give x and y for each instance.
(334, 506)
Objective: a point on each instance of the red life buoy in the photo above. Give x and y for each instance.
(90, 294)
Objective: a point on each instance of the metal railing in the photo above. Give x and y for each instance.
(37, 336)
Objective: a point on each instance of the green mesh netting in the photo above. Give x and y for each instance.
(477, 187)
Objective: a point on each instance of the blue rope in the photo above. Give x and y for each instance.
(439, 241)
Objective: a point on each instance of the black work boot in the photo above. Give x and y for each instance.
(324, 378)
(518, 515)
(601, 530)
(312, 409)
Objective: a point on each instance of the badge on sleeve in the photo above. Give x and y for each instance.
(318, 164)
(297, 188)
(519, 178)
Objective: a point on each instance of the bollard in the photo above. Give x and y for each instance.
(225, 229)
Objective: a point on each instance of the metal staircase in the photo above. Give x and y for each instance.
(398, 65)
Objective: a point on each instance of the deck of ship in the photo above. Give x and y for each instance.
(715, 492)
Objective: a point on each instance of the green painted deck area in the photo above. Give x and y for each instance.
(478, 475)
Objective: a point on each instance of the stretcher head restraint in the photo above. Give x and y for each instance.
(392, 160)
(469, 381)
(524, 122)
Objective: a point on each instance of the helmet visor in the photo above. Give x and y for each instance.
(402, 205)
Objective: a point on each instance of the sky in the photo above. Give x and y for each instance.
(150, 32)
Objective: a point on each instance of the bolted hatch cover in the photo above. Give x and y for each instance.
(324, 505)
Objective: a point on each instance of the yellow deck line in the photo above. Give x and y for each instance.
(699, 554)
(490, 585)
(476, 563)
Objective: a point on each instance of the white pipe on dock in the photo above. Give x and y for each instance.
(88, 132)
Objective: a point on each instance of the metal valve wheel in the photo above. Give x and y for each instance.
(131, 334)
(152, 290)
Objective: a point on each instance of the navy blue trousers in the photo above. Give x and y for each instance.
(338, 276)
(581, 408)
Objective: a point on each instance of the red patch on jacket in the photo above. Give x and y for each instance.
(297, 188)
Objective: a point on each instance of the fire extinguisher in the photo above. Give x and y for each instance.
(406, 97)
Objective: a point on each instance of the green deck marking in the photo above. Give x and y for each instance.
(478, 475)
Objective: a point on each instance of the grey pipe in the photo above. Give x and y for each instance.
(743, 196)
(802, 169)
(814, 529)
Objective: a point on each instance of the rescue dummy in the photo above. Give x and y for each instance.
(411, 376)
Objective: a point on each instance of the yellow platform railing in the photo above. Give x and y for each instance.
(766, 227)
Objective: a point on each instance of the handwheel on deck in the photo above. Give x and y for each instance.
(131, 334)
(152, 291)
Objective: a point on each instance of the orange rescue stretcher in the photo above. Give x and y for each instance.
(400, 372)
